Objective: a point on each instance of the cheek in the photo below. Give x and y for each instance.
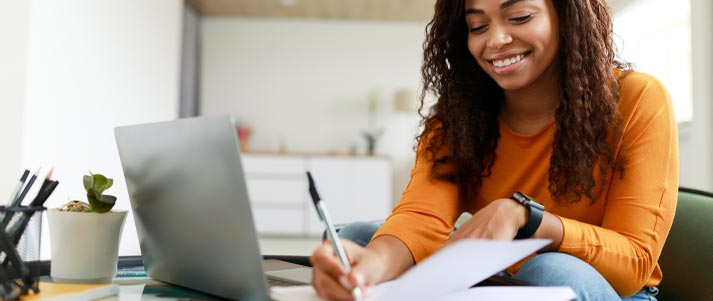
(475, 47)
(545, 36)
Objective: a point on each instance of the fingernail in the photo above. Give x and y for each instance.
(345, 282)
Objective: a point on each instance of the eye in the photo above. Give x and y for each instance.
(521, 19)
(478, 29)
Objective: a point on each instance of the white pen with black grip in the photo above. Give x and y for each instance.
(331, 232)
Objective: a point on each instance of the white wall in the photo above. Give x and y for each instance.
(94, 65)
(305, 83)
(678, 54)
(696, 138)
(14, 29)
(662, 48)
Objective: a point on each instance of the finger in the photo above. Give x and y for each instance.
(323, 259)
(356, 279)
(329, 288)
(355, 253)
(319, 252)
(451, 240)
(367, 271)
(353, 250)
(458, 235)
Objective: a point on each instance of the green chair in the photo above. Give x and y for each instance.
(687, 257)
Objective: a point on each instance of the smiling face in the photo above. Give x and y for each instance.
(514, 41)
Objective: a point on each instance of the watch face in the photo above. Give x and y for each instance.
(526, 200)
(521, 198)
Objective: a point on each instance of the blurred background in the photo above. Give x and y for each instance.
(330, 84)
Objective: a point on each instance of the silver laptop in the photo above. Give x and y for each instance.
(191, 208)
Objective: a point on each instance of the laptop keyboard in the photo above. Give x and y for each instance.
(277, 282)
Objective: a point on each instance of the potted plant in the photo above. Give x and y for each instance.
(85, 236)
(372, 134)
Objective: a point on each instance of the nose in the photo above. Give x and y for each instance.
(499, 37)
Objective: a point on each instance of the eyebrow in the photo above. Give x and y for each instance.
(503, 5)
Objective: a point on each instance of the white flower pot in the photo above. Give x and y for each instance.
(85, 245)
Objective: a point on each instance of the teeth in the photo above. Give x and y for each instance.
(508, 62)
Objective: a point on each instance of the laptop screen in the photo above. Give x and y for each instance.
(191, 207)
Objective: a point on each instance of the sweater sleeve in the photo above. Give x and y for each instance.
(426, 213)
(641, 202)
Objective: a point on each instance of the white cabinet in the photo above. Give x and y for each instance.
(353, 189)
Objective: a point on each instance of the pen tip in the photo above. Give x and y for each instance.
(357, 294)
(38, 171)
(49, 174)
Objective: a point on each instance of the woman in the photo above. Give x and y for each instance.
(531, 99)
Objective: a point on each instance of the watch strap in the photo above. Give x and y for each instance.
(536, 212)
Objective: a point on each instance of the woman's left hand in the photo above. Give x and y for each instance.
(499, 220)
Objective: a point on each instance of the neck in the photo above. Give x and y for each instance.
(529, 109)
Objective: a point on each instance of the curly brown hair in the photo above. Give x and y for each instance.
(462, 130)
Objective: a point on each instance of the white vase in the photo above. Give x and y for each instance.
(85, 245)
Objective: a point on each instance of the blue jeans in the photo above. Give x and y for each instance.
(548, 269)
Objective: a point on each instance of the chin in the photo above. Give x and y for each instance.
(511, 84)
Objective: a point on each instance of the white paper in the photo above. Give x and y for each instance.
(512, 293)
(453, 269)
(490, 293)
(460, 265)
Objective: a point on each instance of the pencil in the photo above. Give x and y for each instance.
(19, 199)
(16, 191)
(16, 230)
(41, 193)
(47, 180)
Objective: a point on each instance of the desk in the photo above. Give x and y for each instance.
(130, 289)
(144, 288)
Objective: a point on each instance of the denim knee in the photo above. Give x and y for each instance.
(359, 232)
(559, 269)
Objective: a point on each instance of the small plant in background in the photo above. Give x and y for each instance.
(95, 185)
(372, 134)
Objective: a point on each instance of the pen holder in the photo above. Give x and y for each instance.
(20, 251)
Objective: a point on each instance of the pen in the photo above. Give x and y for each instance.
(331, 232)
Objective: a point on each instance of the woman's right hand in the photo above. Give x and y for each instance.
(330, 279)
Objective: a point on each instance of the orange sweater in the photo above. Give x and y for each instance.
(621, 234)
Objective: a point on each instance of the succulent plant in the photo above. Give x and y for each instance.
(95, 185)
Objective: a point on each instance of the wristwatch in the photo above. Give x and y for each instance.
(535, 218)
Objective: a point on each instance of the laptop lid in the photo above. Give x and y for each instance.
(191, 208)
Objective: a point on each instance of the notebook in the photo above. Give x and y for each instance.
(191, 207)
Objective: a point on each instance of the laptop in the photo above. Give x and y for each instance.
(191, 208)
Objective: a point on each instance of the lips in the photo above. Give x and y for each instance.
(506, 64)
(504, 61)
